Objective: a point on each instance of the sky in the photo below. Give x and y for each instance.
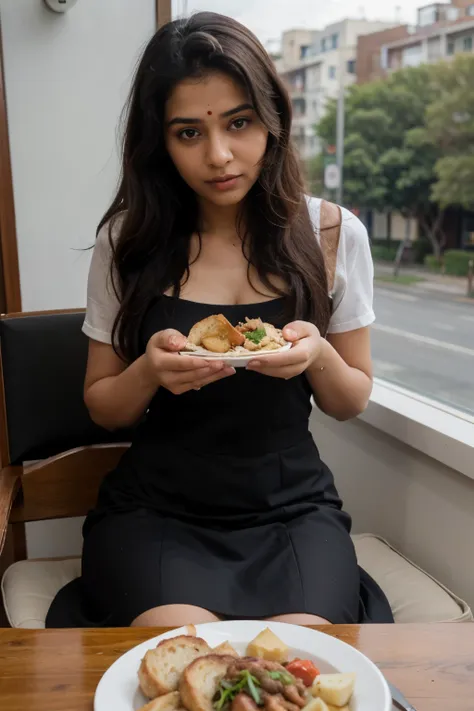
(269, 18)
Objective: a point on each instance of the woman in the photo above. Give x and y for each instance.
(222, 506)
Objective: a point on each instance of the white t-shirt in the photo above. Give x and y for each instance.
(352, 292)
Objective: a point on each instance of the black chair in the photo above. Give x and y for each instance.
(52, 455)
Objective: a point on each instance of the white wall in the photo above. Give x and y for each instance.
(421, 506)
(67, 77)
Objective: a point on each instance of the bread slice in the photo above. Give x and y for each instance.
(225, 648)
(335, 689)
(217, 327)
(216, 344)
(161, 668)
(168, 702)
(200, 681)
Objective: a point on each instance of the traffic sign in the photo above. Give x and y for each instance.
(332, 176)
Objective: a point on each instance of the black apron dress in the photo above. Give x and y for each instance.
(221, 502)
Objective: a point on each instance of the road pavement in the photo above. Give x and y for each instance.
(425, 342)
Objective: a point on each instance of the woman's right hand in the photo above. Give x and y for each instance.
(177, 373)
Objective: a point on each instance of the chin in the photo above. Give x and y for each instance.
(233, 197)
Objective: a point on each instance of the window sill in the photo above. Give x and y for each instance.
(438, 431)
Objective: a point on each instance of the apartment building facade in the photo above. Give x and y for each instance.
(315, 64)
(442, 31)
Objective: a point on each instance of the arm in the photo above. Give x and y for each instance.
(341, 377)
(116, 396)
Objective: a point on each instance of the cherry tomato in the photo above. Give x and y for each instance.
(304, 669)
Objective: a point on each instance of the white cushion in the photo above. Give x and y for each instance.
(29, 586)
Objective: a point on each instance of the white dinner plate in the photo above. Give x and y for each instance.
(118, 689)
(235, 360)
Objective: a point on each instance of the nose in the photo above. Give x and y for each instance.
(219, 153)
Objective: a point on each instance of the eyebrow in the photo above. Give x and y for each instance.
(226, 114)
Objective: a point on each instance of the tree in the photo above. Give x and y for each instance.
(389, 158)
(450, 124)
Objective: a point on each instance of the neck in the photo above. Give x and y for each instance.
(216, 219)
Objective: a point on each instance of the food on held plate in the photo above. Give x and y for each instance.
(217, 335)
(184, 674)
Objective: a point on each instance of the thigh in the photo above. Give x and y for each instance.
(300, 619)
(121, 567)
(174, 616)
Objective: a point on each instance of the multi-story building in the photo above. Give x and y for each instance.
(315, 65)
(443, 30)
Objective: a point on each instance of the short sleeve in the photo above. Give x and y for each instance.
(353, 290)
(102, 301)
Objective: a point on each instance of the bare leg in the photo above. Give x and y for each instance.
(300, 619)
(174, 616)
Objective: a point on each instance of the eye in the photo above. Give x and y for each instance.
(240, 123)
(188, 134)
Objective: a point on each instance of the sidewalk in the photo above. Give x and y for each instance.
(452, 285)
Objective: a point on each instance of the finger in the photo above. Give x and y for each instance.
(178, 363)
(286, 373)
(170, 340)
(297, 330)
(225, 373)
(195, 377)
(296, 355)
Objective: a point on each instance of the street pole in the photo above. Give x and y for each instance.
(340, 128)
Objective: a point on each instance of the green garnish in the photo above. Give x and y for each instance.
(284, 677)
(228, 691)
(256, 336)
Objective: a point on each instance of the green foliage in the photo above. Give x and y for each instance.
(433, 263)
(383, 253)
(456, 261)
(409, 142)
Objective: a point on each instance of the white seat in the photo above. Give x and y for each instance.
(29, 586)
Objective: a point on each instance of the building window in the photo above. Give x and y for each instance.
(304, 51)
(470, 10)
(351, 66)
(467, 44)
(334, 41)
(332, 72)
(451, 48)
(323, 45)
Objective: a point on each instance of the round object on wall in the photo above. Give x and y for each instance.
(60, 5)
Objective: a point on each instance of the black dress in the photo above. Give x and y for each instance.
(221, 502)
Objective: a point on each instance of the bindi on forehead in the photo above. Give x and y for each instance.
(209, 113)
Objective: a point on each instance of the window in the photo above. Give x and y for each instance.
(423, 338)
(451, 47)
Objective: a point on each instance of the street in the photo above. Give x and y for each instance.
(425, 342)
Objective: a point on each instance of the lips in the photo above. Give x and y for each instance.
(224, 178)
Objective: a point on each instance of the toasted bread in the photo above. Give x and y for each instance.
(200, 680)
(218, 327)
(168, 702)
(225, 648)
(161, 668)
(216, 344)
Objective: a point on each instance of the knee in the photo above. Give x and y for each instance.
(300, 619)
(174, 616)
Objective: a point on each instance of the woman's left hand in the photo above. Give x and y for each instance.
(306, 349)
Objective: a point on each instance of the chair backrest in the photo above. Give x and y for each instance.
(43, 359)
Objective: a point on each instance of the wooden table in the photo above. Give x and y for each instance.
(58, 670)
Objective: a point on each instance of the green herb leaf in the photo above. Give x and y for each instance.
(256, 336)
(285, 677)
(254, 692)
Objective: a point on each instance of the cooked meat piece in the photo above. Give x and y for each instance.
(266, 340)
(250, 345)
(274, 333)
(273, 703)
(242, 702)
(291, 693)
(251, 324)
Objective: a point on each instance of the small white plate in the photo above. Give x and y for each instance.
(235, 360)
(118, 689)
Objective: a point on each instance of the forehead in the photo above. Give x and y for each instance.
(195, 97)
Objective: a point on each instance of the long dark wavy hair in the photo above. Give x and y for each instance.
(158, 212)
